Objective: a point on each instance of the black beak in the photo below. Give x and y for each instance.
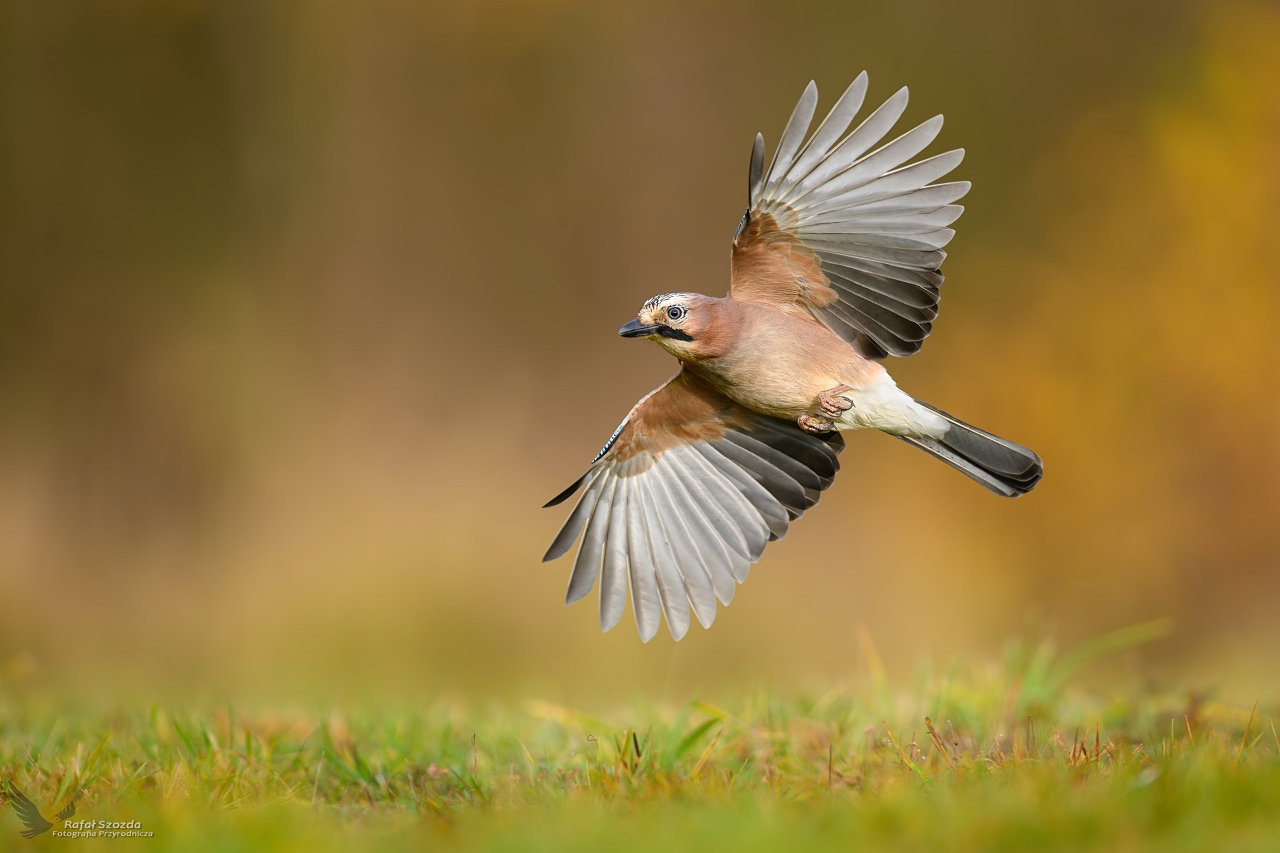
(635, 330)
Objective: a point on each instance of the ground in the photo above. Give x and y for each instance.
(991, 758)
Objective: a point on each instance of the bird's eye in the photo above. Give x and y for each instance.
(675, 313)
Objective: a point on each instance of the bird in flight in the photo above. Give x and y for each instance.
(834, 267)
(30, 815)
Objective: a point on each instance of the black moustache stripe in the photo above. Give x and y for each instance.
(674, 334)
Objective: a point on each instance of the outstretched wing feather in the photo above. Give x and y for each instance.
(591, 553)
(867, 134)
(690, 564)
(613, 576)
(819, 145)
(645, 603)
(792, 136)
(671, 591)
(702, 534)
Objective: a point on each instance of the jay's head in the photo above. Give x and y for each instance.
(677, 322)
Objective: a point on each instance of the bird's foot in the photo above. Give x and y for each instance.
(833, 406)
(816, 425)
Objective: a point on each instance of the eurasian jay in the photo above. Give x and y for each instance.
(834, 267)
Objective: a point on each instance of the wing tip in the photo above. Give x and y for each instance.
(567, 493)
(609, 621)
(755, 176)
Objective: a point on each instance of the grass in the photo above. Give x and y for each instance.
(1002, 758)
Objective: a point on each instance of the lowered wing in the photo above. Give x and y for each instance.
(682, 500)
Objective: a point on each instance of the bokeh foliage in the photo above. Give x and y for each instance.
(305, 308)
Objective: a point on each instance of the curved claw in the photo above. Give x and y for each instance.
(815, 425)
(833, 406)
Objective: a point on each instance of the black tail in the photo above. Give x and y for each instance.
(1003, 467)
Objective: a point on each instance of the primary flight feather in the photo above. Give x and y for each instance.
(834, 267)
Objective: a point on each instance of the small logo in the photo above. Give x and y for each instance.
(30, 814)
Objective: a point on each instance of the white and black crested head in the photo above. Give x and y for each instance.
(663, 316)
(675, 321)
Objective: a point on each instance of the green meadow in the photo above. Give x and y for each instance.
(1003, 756)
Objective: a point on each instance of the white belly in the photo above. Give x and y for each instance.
(881, 405)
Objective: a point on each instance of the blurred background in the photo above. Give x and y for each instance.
(306, 308)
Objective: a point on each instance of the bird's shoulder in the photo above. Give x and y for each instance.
(771, 265)
(686, 408)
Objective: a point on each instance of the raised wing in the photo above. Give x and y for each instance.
(841, 228)
(28, 813)
(683, 499)
(67, 812)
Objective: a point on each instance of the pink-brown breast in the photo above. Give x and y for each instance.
(781, 359)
